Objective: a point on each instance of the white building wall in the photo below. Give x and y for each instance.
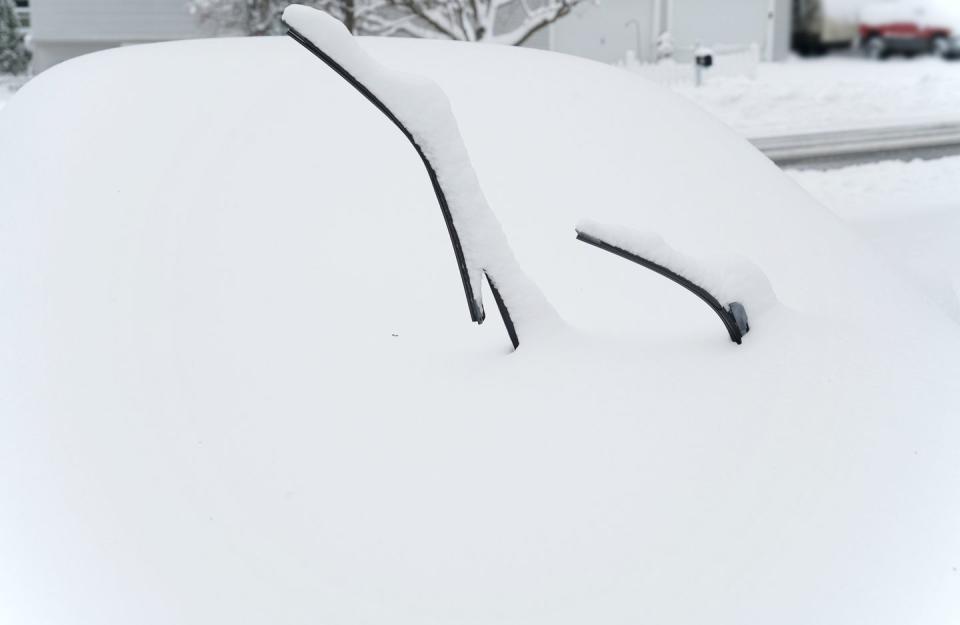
(713, 22)
(65, 28)
(601, 31)
(604, 32)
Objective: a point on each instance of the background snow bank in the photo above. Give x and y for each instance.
(911, 211)
(8, 86)
(832, 94)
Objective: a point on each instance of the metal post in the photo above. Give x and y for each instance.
(768, 52)
(697, 69)
(656, 30)
(636, 27)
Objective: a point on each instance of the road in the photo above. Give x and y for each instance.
(840, 148)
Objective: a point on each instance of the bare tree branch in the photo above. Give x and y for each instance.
(510, 22)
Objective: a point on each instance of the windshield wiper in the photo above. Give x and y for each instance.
(479, 245)
(733, 315)
(476, 307)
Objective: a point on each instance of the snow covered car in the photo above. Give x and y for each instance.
(910, 27)
(238, 383)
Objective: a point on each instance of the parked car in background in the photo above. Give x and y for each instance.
(910, 27)
(879, 27)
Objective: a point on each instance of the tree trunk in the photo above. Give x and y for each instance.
(350, 15)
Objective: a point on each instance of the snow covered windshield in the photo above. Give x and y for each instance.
(419, 108)
(421, 111)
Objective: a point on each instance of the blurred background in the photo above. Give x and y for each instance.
(763, 66)
(858, 100)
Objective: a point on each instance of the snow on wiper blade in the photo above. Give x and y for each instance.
(739, 284)
(420, 110)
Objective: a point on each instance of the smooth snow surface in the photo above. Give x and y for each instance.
(833, 93)
(910, 211)
(238, 386)
(8, 85)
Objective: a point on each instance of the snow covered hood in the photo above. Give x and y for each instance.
(239, 385)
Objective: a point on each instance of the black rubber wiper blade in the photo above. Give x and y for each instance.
(475, 306)
(733, 316)
(420, 109)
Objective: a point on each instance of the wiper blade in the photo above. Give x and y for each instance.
(733, 315)
(475, 306)
(421, 111)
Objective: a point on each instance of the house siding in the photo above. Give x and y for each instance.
(112, 20)
(62, 29)
(605, 32)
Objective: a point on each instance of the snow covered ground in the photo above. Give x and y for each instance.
(8, 86)
(832, 93)
(910, 211)
(5, 94)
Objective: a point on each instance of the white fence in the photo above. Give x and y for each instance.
(728, 62)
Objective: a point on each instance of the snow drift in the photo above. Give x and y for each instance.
(236, 385)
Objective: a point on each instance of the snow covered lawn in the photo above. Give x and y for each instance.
(910, 211)
(8, 86)
(832, 93)
(5, 94)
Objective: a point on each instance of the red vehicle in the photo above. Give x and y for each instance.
(910, 27)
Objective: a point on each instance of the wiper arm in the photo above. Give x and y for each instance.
(733, 315)
(473, 303)
(479, 244)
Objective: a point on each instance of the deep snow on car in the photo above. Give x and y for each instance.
(239, 384)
